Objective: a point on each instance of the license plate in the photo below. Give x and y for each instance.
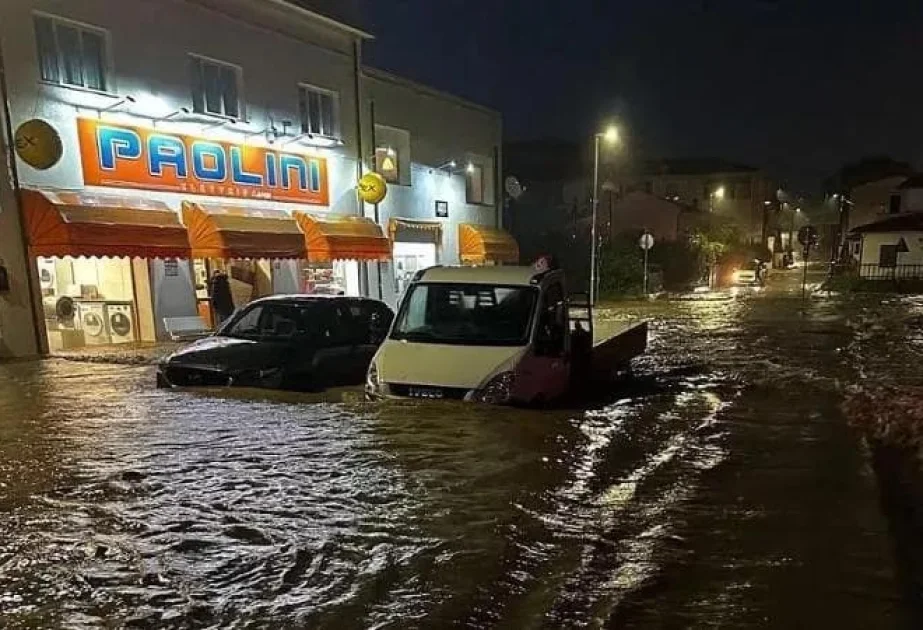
(426, 392)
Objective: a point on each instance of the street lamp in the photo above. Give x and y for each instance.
(611, 136)
(716, 195)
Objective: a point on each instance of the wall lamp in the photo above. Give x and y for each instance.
(185, 111)
(127, 99)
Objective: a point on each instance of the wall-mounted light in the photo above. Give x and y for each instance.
(125, 100)
(470, 167)
(185, 111)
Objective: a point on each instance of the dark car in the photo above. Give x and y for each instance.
(300, 342)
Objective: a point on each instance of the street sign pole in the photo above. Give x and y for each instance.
(646, 242)
(807, 236)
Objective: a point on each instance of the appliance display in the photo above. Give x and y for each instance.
(120, 320)
(92, 318)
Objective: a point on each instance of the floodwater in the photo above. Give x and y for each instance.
(718, 487)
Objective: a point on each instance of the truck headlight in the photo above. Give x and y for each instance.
(497, 391)
(372, 383)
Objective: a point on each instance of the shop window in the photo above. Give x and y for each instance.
(71, 54)
(319, 111)
(215, 87)
(474, 183)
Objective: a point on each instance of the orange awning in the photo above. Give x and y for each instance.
(430, 230)
(478, 244)
(342, 237)
(229, 232)
(75, 224)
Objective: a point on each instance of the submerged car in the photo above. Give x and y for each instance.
(299, 342)
(749, 274)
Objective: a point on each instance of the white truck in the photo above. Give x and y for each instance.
(500, 335)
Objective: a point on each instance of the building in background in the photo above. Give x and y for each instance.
(873, 200)
(638, 211)
(890, 248)
(723, 188)
(222, 135)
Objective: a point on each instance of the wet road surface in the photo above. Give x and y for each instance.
(719, 487)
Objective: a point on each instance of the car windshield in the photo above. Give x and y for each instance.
(470, 314)
(278, 321)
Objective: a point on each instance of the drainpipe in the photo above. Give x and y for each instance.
(381, 294)
(37, 322)
(360, 153)
(498, 187)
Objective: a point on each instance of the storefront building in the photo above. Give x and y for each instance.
(222, 136)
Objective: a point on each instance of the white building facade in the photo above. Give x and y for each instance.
(195, 136)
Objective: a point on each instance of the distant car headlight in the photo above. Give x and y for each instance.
(497, 391)
(372, 382)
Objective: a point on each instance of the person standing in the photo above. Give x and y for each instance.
(219, 292)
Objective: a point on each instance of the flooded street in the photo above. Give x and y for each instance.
(720, 486)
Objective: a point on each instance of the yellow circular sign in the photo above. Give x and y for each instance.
(372, 188)
(38, 144)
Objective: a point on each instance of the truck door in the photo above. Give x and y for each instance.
(549, 365)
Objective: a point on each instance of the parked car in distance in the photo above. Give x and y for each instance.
(298, 342)
(750, 273)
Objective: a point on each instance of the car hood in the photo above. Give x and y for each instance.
(443, 365)
(229, 354)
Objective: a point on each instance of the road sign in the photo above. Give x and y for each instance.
(808, 236)
(646, 241)
(513, 188)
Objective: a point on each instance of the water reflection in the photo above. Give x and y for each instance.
(719, 485)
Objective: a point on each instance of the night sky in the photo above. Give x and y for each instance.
(793, 86)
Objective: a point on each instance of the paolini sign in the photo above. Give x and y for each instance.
(124, 156)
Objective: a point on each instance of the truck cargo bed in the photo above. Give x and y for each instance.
(616, 351)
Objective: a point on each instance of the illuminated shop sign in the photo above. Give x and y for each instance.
(124, 156)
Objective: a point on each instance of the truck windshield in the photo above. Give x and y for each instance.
(467, 314)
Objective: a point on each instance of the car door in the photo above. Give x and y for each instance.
(545, 371)
(372, 321)
(333, 360)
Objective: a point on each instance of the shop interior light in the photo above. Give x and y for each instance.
(125, 100)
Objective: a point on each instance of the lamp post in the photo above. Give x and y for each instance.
(717, 195)
(611, 136)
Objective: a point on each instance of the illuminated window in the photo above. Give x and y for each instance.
(319, 110)
(474, 183)
(215, 87)
(387, 164)
(71, 54)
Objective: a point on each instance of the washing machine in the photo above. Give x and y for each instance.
(120, 319)
(92, 319)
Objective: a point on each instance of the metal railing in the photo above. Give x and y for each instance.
(898, 272)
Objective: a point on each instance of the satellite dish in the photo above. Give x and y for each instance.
(513, 188)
